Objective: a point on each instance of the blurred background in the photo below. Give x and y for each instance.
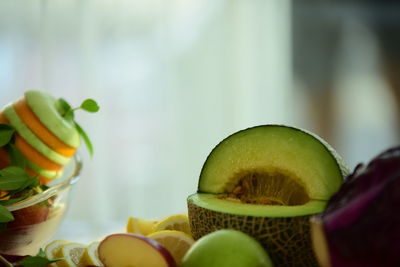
(175, 77)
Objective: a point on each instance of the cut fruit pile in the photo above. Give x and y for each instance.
(43, 136)
(164, 244)
(259, 193)
(173, 233)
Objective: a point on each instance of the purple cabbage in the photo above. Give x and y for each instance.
(362, 220)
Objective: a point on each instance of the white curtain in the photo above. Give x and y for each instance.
(173, 78)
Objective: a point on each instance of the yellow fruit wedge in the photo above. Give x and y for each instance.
(176, 242)
(91, 256)
(53, 250)
(178, 222)
(140, 226)
(72, 255)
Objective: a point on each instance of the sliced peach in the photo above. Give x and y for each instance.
(40, 130)
(118, 250)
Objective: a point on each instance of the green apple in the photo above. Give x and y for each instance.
(230, 248)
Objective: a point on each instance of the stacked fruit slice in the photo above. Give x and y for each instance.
(44, 137)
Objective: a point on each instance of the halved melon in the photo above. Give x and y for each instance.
(266, 181)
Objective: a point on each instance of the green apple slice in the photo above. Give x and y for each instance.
(12, 116)
(47, 109)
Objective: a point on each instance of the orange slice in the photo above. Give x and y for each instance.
(33, 155)
(36, 126)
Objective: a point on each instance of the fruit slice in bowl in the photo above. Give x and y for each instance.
(267, 181)
(38, 164)
(37, 218)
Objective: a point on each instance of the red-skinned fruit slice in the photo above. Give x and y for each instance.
(123, 249)
(30, 215)
(360, 226)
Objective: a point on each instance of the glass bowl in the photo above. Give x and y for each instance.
(37, 218)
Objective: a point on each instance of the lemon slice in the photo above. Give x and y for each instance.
(140, 226)
(53, 249)
(72, 255)
(91, 256)
(176, 242)
(178, 222)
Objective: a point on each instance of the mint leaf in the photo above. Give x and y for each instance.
(65, 107)
(40, 260)
(17, 159)
(90, 105)
(5, 215)
(13, 178)
(41, 253)
(85, 138)
(36, 261)
(69, 115)
(6, 134)
(12, 200)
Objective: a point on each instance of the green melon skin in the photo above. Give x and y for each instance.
(287, 240)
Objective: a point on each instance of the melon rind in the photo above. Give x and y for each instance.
(220, 204)
(287, 240)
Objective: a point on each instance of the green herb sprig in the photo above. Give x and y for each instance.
(13, 179)
(88, 105)
(39, 260)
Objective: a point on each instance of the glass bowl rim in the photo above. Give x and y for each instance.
(53, 189)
